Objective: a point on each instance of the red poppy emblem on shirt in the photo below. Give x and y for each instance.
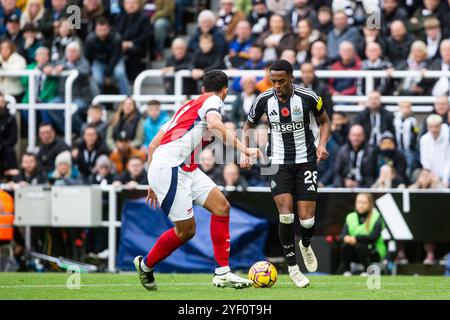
(285, 112)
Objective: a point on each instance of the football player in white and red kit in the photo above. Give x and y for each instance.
(176, 182)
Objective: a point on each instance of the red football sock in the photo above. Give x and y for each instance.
(220, 236)
(167, 243)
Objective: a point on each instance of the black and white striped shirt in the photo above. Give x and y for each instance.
(293, 129)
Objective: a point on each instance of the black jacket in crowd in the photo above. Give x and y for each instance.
(126, 177)
(207, 61)
(398, 51)
(136, 28)
(86, 159)
(107, 52)
(343, 166)
(37, 177)
(386, 121)
(8, 130)
(47, 153)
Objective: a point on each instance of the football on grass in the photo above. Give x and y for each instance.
(263, 274)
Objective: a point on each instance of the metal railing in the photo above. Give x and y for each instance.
(33, 105)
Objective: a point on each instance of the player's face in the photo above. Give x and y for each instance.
(282, 83)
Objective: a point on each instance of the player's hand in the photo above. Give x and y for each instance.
(152, 199)
(322, 153)
(254, 153)
(245, 161)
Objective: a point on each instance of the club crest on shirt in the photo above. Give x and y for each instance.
(296, 110)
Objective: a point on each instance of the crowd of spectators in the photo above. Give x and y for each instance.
(118, 39)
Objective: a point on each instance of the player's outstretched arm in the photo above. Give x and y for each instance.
(245, 161)
(215, 124)
(325, 131)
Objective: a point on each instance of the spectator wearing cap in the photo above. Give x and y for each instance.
(389, 154)
(341, 32)
(428, 9)
(50, 146)
(134, 175)
(398, 43)
(29, 43)
(7, 9)
(435, 149)
(95, 119)
(103, 173)
(123, 151)
(134, 27)
(127, 118)
(154, 121)
(207, 24)
(104, 52)
(13, 31)
(277, 39)
(356, 161)
(259, 18)
(10, 60)
(302, 10)
(348, 60)
(64, 174)
(442, 86)
(228, 18)
(8, 138)
(433, 37)
(390, 12)
(375, 119)
(86, 153)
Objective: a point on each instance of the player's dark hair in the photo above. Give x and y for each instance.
(282, 65)
(215, 80)
(102, 21)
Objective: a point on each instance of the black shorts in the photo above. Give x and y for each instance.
(300, 180)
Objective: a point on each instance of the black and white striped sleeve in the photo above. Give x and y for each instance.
(257, 110)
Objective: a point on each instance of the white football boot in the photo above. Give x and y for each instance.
(297, 277)
(308, 257)
(231, 280)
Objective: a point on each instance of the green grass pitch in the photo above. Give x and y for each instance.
(199, 287)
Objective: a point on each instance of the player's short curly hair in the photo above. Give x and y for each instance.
(215, 80)
(282, 65)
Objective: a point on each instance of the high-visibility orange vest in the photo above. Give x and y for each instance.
(6, 216)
